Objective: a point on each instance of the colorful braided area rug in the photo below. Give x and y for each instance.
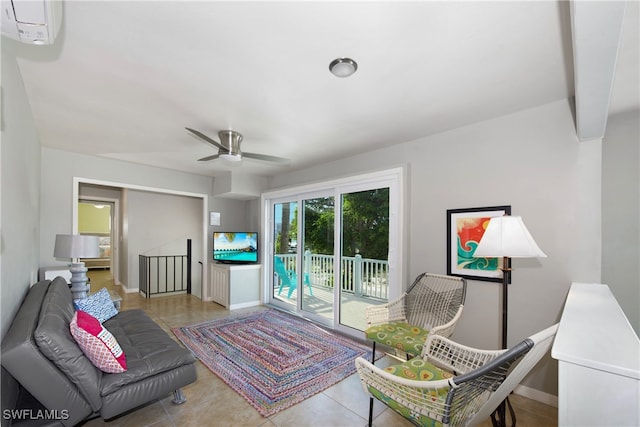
(272, 359)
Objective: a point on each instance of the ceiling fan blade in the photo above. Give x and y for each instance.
(206, 159)
(205, 138)
(265, 157)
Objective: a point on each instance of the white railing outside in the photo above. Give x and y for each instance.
(360, 276)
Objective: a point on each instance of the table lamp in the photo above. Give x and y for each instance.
(75, 246)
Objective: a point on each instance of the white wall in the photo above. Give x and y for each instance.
(530, 160)
(20, 190)
(19, 202)
(233, 215)
(59, 169)
(621, 212)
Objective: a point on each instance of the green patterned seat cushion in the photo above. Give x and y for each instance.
(414, 369)
(399, 335)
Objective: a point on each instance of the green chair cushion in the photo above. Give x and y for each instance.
(414, 369)
(418, 369)
(399, 335)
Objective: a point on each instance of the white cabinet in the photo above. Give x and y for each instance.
(598, 356)
(234, 286)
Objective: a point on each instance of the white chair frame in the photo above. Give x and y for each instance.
(483, 379)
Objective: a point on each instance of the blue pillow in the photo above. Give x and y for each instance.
(98, 304)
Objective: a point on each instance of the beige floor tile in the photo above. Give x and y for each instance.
(317, 411)
(350, 394)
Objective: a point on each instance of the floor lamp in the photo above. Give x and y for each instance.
(77, 246)
(506, 237)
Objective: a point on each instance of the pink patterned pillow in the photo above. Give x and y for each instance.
(98, 344)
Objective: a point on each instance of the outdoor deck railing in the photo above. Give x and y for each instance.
(359, 276)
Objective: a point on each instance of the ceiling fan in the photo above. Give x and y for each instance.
(229, 147)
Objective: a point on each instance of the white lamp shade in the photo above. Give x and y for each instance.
(76, 246)
(507, 236)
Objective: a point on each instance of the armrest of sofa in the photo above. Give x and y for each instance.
(22, 358)
(54, 340)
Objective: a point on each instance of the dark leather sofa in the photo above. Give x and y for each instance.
(42, 355)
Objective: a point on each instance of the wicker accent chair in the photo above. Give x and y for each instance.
(452, 384)
(432, 305)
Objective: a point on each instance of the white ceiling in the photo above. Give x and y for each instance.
(124, 79)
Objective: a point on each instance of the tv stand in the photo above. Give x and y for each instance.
(234, 285)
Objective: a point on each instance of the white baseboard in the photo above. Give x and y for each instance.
(244, 305)
(537, 395)
(124, 287)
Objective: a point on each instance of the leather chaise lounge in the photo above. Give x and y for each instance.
(41, 354)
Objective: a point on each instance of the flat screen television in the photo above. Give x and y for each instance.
(236, 247)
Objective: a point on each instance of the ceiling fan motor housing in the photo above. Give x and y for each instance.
(231, 140)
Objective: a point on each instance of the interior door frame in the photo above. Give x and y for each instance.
(114, 233)
(204, 221)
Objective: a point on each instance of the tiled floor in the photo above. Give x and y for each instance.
(210, 402)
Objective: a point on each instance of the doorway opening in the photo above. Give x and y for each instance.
(148, 221)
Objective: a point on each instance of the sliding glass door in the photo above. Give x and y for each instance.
(364, 254)
(332, 250)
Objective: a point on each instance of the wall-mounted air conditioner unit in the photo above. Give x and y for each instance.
(31, 21)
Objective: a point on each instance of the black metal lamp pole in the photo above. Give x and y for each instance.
(498, 418)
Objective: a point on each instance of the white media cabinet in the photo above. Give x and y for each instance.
(234, 286)
(598, 355)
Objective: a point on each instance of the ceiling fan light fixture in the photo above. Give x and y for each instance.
(231, 157)
(343, 67)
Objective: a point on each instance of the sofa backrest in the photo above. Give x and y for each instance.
(35, 372)
(54, 339)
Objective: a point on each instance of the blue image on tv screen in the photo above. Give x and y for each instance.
(235, 247)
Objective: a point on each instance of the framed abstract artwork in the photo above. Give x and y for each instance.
(465, 228)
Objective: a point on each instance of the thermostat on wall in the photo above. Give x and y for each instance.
(214, 218)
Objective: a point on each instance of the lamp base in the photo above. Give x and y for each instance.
(79, 286)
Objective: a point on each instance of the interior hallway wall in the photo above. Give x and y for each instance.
(160, 224)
